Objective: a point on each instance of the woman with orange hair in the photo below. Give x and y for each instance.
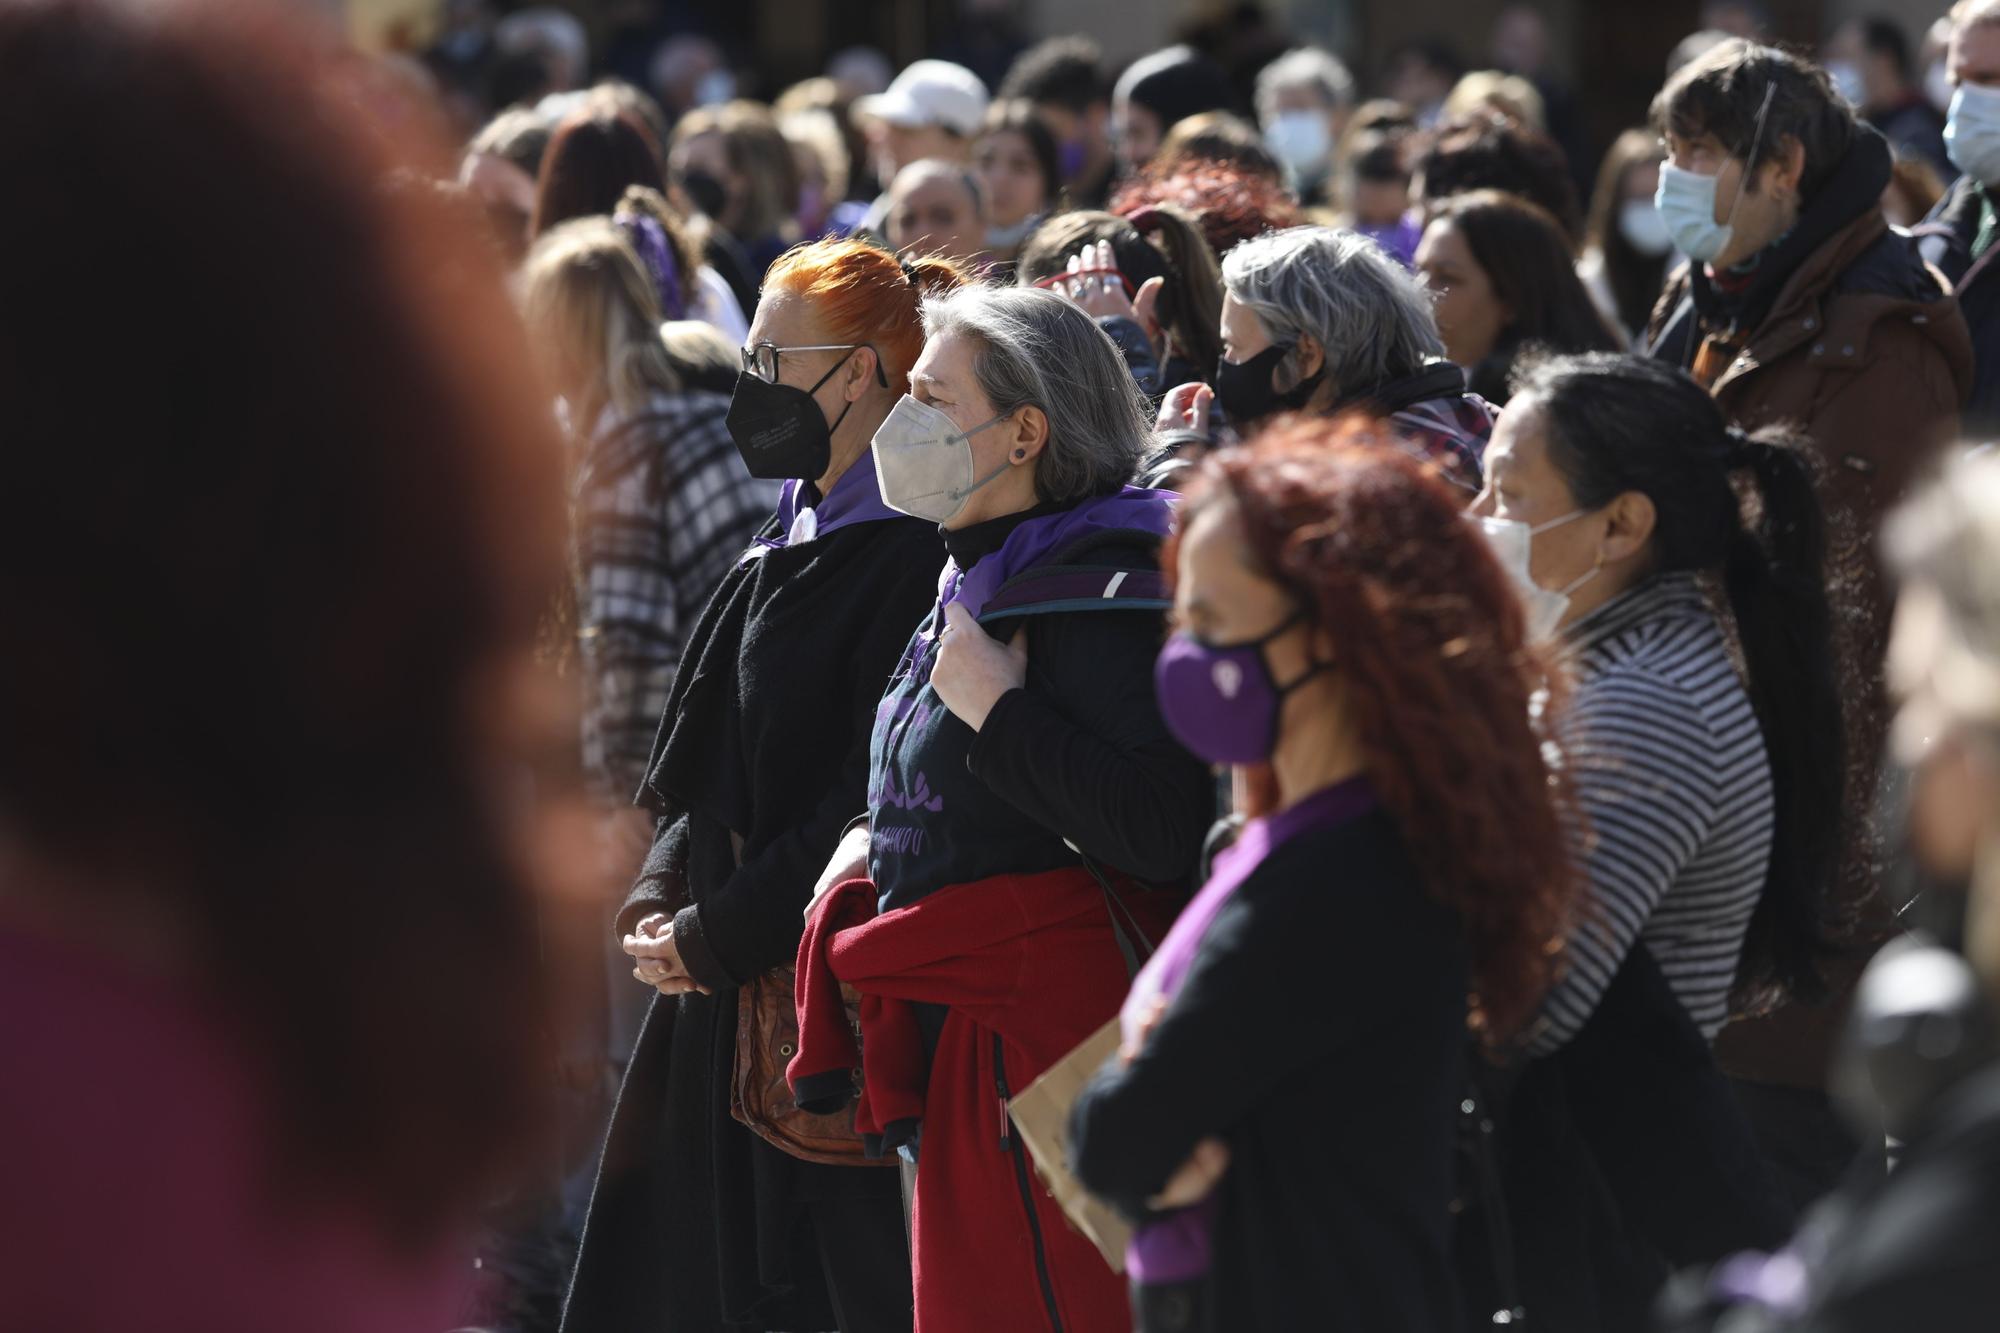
(703, 1218)
(1349, 642)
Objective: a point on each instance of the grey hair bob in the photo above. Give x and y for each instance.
(1038, 349)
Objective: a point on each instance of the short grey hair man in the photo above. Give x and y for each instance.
(1310, 69)
(1038, 349)
(1371, 318)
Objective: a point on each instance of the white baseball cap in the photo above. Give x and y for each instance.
(930, 92)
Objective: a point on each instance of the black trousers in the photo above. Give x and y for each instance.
(867, 1281)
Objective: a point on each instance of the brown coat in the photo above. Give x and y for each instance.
(1864, 351)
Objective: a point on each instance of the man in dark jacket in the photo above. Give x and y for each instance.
(1958, 236)
(1803, 308)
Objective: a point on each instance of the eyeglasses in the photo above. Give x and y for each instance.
(762, 360)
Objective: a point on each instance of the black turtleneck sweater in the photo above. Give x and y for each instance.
(1079, 752)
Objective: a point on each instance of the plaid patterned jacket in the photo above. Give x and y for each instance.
(662, 507)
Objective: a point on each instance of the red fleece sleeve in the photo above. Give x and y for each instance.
(820, 1074)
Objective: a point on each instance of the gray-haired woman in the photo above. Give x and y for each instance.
(1017, 755)
(1321, 320)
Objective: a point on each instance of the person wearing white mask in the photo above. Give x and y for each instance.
(1801, 306)
(1713, 800)
(1957, 238)
(1019, 753)
(1304, 98)
(1627, 250)
(1870, 64)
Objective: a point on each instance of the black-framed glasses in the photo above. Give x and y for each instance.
(761, 360)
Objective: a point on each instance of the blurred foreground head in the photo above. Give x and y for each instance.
(279, 522)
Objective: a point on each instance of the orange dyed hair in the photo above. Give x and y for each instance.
(863, 294)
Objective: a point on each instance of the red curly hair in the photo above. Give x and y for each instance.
(1433, 651)
(1232, 203)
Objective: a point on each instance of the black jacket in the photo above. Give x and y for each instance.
(1321, 1033)
(694, 1221)
(1945, 239)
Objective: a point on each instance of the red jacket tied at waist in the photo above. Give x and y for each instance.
(1028, 967)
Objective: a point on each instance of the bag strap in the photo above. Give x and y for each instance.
(1476, 1127)
(1125, 928)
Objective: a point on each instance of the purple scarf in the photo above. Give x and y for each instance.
(855, 498)
(1130, 509)
(1176, 1246)
(649, 239)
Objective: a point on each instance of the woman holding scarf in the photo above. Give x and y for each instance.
(1018, 756)
(697, 1223)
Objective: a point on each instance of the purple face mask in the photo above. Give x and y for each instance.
(1220, 700)
(1070, 155)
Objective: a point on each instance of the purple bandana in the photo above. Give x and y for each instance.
(649, 239)
(855, 498)
(1131, 509)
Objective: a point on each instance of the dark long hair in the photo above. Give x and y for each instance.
(1527, 260)
(597, 154)
(273, 575)
(1161, 242)
(1635, 278)
(1435, 658)
(1626, 423)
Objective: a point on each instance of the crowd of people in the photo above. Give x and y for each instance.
(663, 657)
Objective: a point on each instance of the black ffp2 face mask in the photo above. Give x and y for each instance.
(1243, 388)
(779, 429)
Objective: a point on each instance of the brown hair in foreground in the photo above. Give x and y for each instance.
(279, 523)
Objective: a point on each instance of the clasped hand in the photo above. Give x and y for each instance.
(658, 956)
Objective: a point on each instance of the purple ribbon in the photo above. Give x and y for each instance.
(649, 239)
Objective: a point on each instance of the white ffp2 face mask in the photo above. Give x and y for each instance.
(923, 461)
(1972, 132)
(1513, 544)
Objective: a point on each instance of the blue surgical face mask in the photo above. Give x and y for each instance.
(1686, 200)
(1972, 132)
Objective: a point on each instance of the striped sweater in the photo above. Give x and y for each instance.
(1675, 783)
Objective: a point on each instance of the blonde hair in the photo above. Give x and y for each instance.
(594, 317)
(1509, 94)
(1974, 13)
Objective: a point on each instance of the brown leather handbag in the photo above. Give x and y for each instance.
(767, 1037)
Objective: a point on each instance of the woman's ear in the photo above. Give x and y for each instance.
(1628, 526)
(1029, 434)
(1308, 356)
(863, 368)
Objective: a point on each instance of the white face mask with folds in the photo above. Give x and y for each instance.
(1972, 132)
(1513, 544)
(923, 461)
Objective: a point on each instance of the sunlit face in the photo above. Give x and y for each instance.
(1523, 485)
(1470, 315)
(943, 378)
(1974, 56)
(1243, 334)
(1221, 598)
(1755, 219)
(936, 215)
(894, 147)
(1135, 134)
(1010, 177)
